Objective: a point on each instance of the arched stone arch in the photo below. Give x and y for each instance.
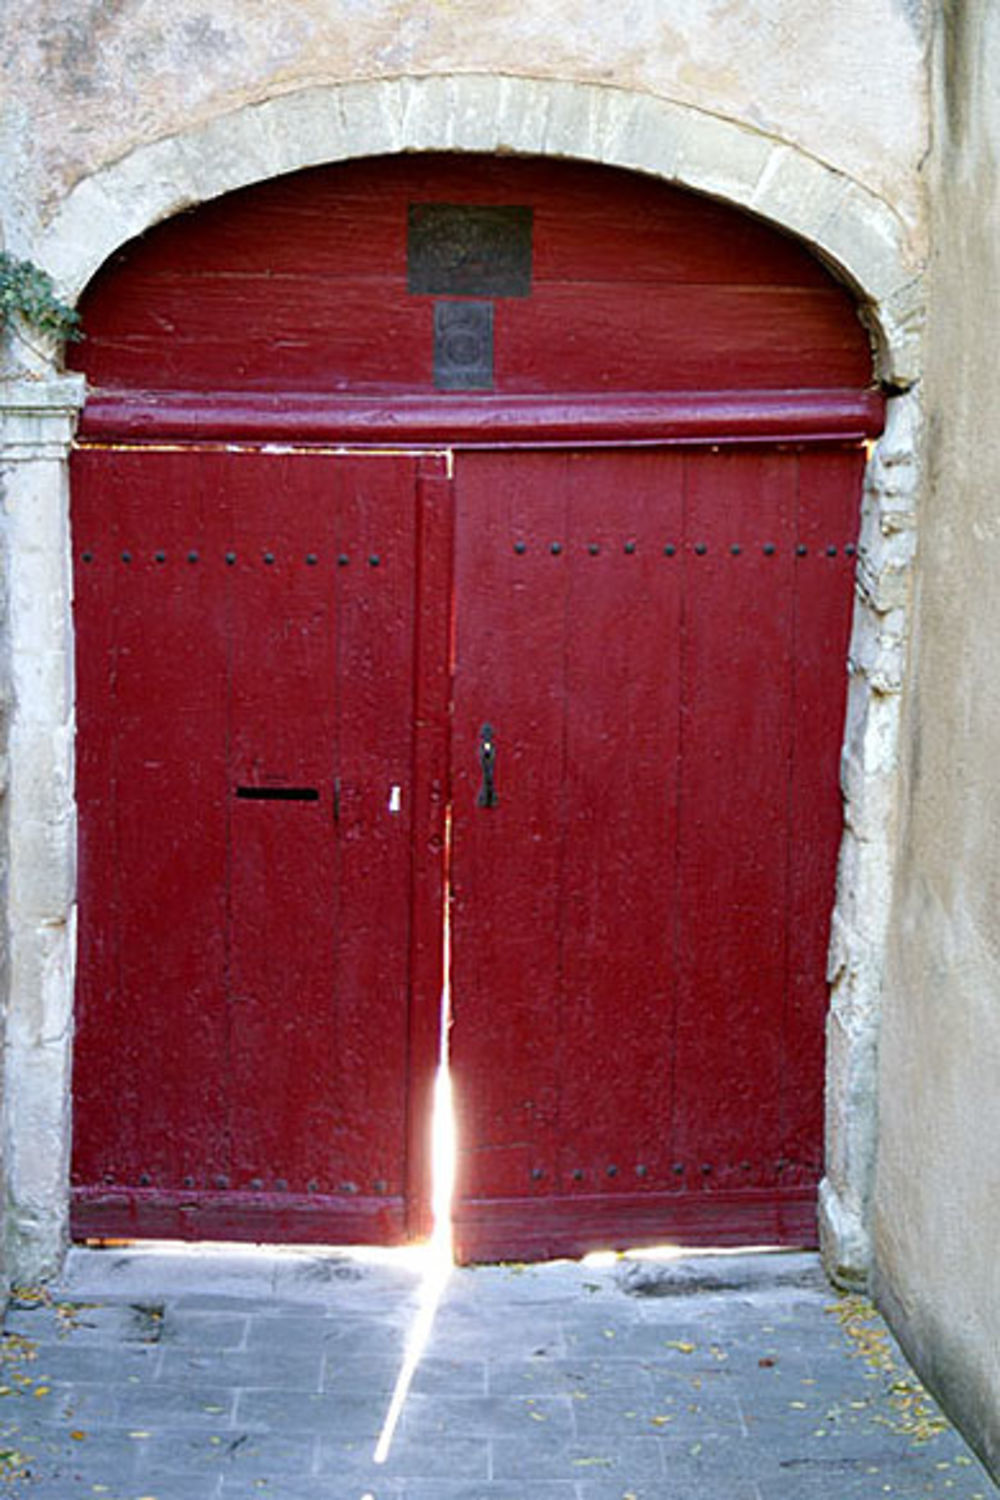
(855, 232)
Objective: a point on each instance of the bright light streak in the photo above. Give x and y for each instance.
(439, 1258)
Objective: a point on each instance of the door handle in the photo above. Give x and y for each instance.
(487, 761)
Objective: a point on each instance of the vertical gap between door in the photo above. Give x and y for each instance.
(439, 1251)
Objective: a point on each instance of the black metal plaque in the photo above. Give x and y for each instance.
(466, 250)
(463, 346)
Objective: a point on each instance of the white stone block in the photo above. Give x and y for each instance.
(304, 129)
(474, 114)
(721, 158)
(372, 113)
(226, 153)
(41, 963)
(522, 115)
(87, 229)
(866, 237)
(644, 134)
(798, 192)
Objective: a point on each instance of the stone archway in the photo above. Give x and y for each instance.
(855, 232)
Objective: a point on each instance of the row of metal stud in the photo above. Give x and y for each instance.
(221, 1182)
(374, 559)
(769, 549)
(678, 1168)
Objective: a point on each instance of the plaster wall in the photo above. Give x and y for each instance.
(937, 1215)
(117, 114)
(86, 81)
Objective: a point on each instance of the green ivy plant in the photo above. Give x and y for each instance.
(27, 294)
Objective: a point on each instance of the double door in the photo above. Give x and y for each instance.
(591, 699)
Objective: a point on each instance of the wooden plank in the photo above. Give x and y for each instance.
(516, 1229)
(507, 943)
(310, 333)
(302, 285)
(724, 417)
(732, 843)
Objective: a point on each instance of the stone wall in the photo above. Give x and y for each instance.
(937, 1219)
(116, 113)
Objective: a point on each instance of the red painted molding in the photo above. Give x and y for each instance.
(483, 421)
(490, 1229)
(288, 1218)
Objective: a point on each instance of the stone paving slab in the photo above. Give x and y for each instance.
(232, 1375)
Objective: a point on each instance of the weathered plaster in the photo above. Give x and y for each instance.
(937, 1204)
(89, 81)
(864, 238)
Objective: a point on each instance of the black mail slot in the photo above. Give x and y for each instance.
(278, 793)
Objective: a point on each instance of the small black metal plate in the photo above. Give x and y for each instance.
(463, 250)
(463, 346)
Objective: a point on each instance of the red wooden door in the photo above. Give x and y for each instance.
(657, 641)
(248, 1060)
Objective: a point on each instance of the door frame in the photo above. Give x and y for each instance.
(857, 233)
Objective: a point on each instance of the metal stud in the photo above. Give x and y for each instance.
(612, 1171)
(88, 557)
(537, 1174)
(736, 549)
(348, 1187)
(269, 558)
(555, 548)
(801, 550)
(380, 1186)
(701, 548)
(230, 559)
(311, 559)
(831, 551)
(280, 1185)
(630, 548)
(343, 560)
(520, 548)
(706, 1168)
(593, 549)
(669, 550)
(222, 1181)
(577, 1174)
(769, 549)
(373, 559)
(850, 550)
(312, 1185)
(126, 557)
(678, 1169)
(189, 1182)
(192, 557)
(257, 1183)
(144, 1179)
(160, 557)
(641, 1171)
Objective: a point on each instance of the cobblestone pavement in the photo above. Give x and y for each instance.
(153, 1374)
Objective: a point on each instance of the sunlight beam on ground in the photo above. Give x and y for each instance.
(439, 1258)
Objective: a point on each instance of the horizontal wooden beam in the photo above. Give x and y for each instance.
(139, 417)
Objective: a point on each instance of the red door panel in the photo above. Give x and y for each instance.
(640, 922)
(246, 691)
